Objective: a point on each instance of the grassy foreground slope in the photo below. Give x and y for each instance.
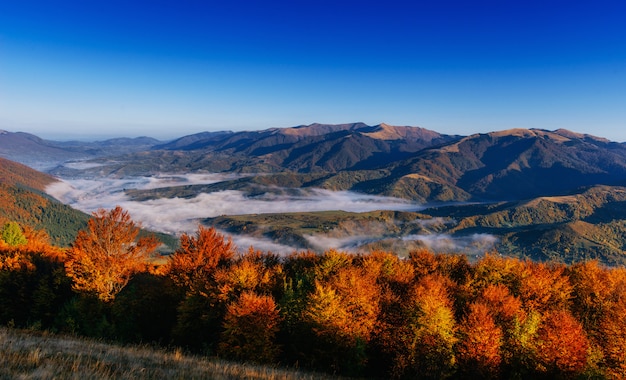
(27, 354)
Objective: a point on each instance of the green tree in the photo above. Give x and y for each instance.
(12, 234)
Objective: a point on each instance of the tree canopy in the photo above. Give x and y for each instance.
(12, 234)
(105, 255)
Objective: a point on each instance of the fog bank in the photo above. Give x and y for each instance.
(177, 215)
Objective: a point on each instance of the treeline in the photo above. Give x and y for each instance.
(369, 315)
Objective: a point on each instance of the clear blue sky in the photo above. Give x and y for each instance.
(97, 68)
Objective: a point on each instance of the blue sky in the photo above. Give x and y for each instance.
(93, 69)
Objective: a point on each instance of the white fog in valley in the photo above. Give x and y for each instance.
(183, 215)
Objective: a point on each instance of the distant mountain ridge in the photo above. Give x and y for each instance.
(317, 147)
(43, 154)
(407, 162)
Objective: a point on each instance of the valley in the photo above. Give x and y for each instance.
(527, 193)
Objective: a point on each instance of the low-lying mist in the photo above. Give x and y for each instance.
(183, 215)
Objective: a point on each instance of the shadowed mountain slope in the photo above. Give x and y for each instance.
(520, 163)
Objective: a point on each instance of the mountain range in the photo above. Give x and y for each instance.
(406, 162)
(542, 193)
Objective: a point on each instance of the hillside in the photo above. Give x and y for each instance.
(577, 227)
(14, 174)
(27, 354)
(22, 199)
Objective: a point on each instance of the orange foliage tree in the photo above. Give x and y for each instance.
(194, 263)
(193, 269)
(562, 344)
(592, 293)
(481, 340)
(253, 271)
(612, 339)
(250, 327)
(105, 255)
(544, 286)
(346, 307)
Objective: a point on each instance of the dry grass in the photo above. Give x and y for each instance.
(35, 355)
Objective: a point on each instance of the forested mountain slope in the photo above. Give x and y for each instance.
(23, 200)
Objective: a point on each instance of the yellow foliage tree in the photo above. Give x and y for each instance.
(254, 271)
(430, 332)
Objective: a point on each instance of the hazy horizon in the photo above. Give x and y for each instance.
(66, 136)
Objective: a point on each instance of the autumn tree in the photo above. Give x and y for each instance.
(342, 311)
(562, 344)
(424, 262)
(33, 284)
(429, 331)
(520, 346)
(194, 263)
(360, 295)
(544, 286)
(105, 255)
(193, 268)
(394, 278)
(389, 270)
(254, 271)
(250, 327)
(601, 294)
(612, 338)
(503, 306)
(295, 335)
(592, 293)
(493, 269)
(480, 343)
